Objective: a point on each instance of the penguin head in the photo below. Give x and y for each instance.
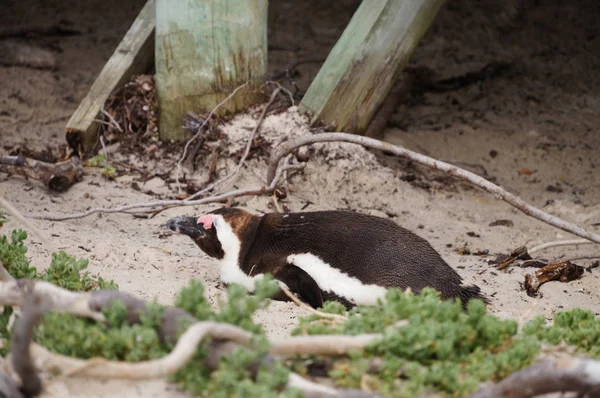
(217, 233)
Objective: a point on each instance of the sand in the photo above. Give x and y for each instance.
(541, 116)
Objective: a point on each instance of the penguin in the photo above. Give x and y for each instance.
(340, 255)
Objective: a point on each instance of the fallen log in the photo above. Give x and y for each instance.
(57, 177)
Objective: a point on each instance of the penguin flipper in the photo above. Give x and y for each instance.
(301, 283)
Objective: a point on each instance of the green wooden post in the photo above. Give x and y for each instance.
(360, 70)
(204, 51)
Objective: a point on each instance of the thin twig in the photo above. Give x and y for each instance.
(17, 215)
(104, 122)
(254, 131)
(288, 92)
(231, 177)
(558, 243)
(578, 258)
(185, 149)
(112, 120)
(177, 203)
(452, 170)
(275, 203)
(294, 64)
(104, 149)
(307, 307)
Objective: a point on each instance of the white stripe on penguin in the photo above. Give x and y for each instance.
(333, 280)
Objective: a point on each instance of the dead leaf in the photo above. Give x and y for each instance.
(526, 172)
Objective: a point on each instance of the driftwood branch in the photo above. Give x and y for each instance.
(9, 387)
(564, 374)
(12, 293)
(32, 312)
(553, 375)
(57, 177)
(225, 338)
(454, 171)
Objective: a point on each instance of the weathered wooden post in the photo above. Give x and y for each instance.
(204, 50)
(361, 67)
(134, 55)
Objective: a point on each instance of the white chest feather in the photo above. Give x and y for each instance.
(229, 265)
(333, 280)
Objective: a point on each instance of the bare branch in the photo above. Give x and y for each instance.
(184, 350)
(549, 376)
(20, 292)
(293, 65)
(558, 243)
(9, 387)
(210, 115)
(112, 120)
(307, 307)
(13, 292)
(563, 374)
(315, 390)
(454, 171)
(22, 336)
(285, 90)
(17, 214)
(231, 177)
(176, 203)
(322, 344)
(253, 134)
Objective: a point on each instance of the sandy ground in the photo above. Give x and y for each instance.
(542, 115)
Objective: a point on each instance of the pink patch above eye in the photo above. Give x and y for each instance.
(206, 221)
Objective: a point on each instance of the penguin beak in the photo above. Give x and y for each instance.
(186, 226)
